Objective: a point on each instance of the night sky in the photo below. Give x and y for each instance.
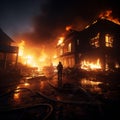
(44, 20)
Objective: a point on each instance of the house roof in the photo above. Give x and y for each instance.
(101, 25)
(72, 34)
(4, 37)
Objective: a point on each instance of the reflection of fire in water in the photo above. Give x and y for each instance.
(93, 86)
(87, 65)
(26, 84)
(16, 95)
(17, 92)
(16, 98)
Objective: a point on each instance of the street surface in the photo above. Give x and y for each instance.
(39, 98)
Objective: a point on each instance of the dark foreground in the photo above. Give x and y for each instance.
(40, 99)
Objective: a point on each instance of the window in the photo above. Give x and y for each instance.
(108, 40)
(95, 41)
(69, 47)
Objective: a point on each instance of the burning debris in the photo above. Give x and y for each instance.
(29, 57)
(34, 64)
(87, 65)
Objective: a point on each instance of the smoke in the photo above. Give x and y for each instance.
(55, 15)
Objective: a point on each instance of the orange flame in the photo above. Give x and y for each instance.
(29, 57)
(108, 15)
(21, 48)
(68, 28)
(60, 41)
(86, 65)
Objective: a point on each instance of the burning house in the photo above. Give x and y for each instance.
(95, 47)
(8, 53)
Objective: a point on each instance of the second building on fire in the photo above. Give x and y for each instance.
(95, 47)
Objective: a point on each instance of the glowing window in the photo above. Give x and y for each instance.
(95, 41)
(108, 41)
(69, 47)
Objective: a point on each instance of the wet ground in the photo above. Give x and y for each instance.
(39, 98)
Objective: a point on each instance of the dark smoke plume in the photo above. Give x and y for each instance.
(55, 15)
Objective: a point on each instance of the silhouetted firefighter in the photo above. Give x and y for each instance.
(60, 68)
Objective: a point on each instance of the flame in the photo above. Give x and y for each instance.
(55, 56)
(91, 85)
(60, 41)
(108, 15)
(26, 84)
(87, 65)
(23, 57)
(43, 56)
(16, 96)
(29, 57)
(21, 48)
(68, 28)
(55, 60)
